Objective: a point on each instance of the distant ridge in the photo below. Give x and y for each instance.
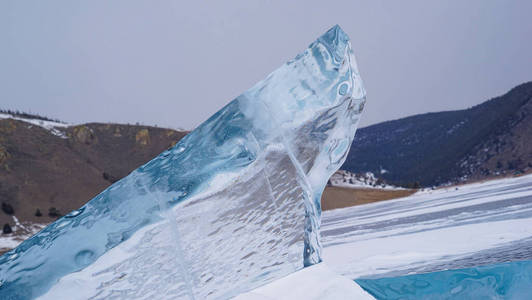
(490, 139)
(30, 116)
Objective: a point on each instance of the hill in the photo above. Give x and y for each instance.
(48, 169)
(487, 140)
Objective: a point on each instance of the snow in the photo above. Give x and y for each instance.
(378, 255)
(10, 241)
(20, 233)
(430, 230)
(366, 180)
(48, 125)
(315, 282)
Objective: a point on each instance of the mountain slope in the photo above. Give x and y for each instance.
(489, 139)
(59, 169)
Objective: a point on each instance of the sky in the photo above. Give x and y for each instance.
(174, 63)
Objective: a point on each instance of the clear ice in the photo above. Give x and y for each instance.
(234, 205)
(510, 280)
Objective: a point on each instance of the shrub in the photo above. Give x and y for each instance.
(54, 212)
(7, 208)
(7, 229)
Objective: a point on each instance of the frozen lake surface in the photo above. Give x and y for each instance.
(451, 228)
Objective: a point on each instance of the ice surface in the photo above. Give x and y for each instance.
(501, 281)
(232, 206)
(454, 228)
(430, 245)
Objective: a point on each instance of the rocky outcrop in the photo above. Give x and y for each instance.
(143, 137)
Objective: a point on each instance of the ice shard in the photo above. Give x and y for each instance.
(508, 280)
(234, 205)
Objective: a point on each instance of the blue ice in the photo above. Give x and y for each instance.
(234, 205)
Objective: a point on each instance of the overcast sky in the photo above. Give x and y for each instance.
(174, 64)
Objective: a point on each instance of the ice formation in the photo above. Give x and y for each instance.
(509, 280)
(232, 206)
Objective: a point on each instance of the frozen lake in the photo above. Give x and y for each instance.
(458, 227)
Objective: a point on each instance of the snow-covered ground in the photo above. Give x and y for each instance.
(19, 234)
(449, 228)
(317, 282)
